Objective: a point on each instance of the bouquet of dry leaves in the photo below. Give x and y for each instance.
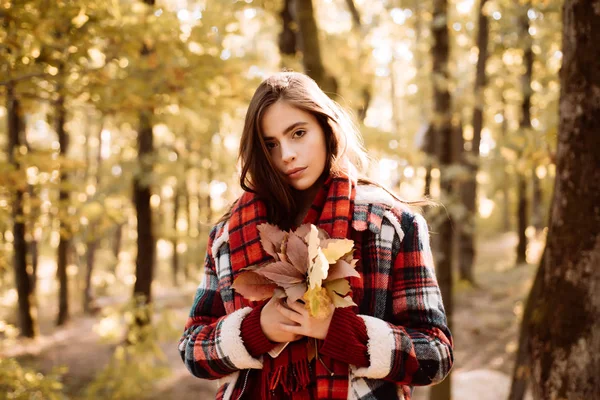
(308, 265)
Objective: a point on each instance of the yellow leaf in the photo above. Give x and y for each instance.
(340, 286)
(340, 302)
(318, 270)
(317, 302)
(337, 248)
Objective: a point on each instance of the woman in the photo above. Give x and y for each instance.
(301, 156)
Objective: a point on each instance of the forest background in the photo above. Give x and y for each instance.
(119, 127)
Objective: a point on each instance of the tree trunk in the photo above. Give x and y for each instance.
(471, 161)
(443, 130)
(354, 12)
(144, 264)
(525, 127)
(287, 36)
(506, 179)
(565, 339)
(537, 207)
(175, 261)
(28, 326)
(311, 51)
(522, 220)
(209, 211)
(427, 190)
(522, 371)
(63, 200)
(90, 261)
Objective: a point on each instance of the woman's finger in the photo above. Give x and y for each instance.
(289, 314)
(298, 307)
(295, 329)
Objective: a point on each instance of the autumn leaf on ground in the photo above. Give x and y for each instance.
(271, 238)
(342, 269)
(318, 302)
(253, 286)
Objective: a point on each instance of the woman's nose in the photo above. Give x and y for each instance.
(287, 153)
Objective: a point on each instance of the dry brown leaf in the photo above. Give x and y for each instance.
(295, 292)
(341, 269)
(281, 273)
(253, 286)
(271, 238)
(302, 231)
(297, 253)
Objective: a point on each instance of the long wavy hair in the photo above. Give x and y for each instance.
(345, 149)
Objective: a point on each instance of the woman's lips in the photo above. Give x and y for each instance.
(295, 173)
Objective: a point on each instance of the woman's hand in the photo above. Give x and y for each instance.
(271, 322)
(302, 322)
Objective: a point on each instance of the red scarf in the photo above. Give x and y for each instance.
(290, 372)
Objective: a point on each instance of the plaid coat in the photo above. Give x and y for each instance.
(409, 340)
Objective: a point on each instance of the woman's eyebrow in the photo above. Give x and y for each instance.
(288, 129)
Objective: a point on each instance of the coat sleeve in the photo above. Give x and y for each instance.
(211, 345)
(414, 345)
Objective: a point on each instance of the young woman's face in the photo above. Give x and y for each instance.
(296, 143)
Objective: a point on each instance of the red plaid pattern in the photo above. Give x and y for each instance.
(398, 297)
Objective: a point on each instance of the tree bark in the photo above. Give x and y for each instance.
(117, 242)
(311, 50)
(145, 259)
(471, 161)
(525, 127)
(522, 219)
(443, 130)
(505, 188)
(144, 264)
(27, 312)
(287, 36)
(63, 199)
(354, 12)
(522, 371)
(537, 210)
(175, 261)
(565, 339)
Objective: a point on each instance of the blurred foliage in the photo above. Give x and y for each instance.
(22, 383)
(139, 363)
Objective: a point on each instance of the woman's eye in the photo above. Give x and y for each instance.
(299, 133)
(270, 145)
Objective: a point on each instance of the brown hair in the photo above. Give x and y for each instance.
(345, 150)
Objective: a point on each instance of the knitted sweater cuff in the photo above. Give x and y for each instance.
(347, 338)
(253, 336)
